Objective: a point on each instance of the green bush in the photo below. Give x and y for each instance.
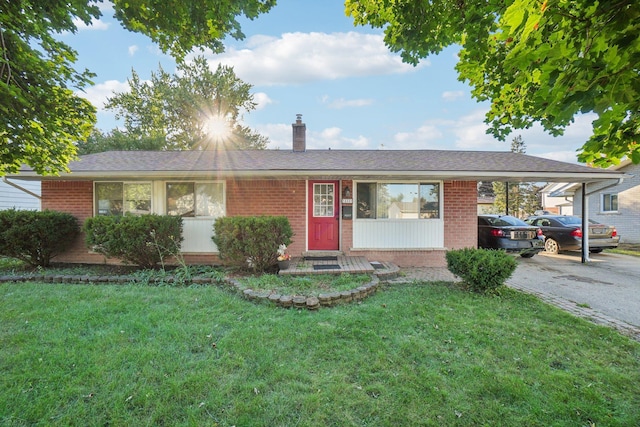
(481, 269)
(251, 242)
(35, 237)
(144, 240)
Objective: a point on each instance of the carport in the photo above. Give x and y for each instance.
(600, 180)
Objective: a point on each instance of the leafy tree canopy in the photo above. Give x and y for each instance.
(192, 109)
(42, 118)
(535, 60)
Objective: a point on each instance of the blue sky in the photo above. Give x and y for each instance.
(306, 56)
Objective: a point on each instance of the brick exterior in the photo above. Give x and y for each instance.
(284, 197)
(76, 198)
(247, 197)
(460, 214)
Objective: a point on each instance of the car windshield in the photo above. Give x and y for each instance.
(503, 221)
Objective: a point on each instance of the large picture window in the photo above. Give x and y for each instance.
(382, 200)
(195, 199)
(609, 202)
(118, 198)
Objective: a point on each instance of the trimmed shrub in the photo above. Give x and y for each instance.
(482, 270)
(251, 242)
(36, 237)
(144, 240)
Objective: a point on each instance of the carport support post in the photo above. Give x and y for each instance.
(585, 225)
(506, 198)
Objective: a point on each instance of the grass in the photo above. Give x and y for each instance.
(419, 354)
(626, 249)
(304, 285)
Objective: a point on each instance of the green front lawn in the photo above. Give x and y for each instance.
(416, 354)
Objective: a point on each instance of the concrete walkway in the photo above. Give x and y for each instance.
(605, 291)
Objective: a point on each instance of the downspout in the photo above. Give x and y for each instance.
(31, 193)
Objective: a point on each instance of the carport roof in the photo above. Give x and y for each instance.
(360, 164)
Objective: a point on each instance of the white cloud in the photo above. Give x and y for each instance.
(96, 24)
(427, 133)
(296, 58)
(452, 95)
(281, 137)
(99, 93)
(262, 100)
(133, 49)
(340, 103)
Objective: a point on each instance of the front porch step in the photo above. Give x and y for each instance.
(322, 253)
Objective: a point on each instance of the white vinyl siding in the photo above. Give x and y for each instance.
(11, 197)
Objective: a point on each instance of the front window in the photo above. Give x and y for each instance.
(609, 202)
(397, 200)
(195, 199)
(118, 198)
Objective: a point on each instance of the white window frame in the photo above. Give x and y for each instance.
(124, 184)
(195, 184)
(397, 181)
(604, 196)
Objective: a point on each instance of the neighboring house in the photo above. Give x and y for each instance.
(617, 205)
(553, 200)
(485, 205)
(19, 195)
(403, 206)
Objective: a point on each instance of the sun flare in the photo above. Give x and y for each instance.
(217, 128)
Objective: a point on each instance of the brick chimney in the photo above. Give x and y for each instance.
(299, 135)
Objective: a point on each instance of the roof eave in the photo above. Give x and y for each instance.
(600, 175)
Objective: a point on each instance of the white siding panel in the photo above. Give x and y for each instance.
(11, 197)
(197, 234)
(400, 234)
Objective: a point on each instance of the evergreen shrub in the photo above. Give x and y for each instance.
(251, 242)
(142, 240)
(36, 237)
(482, 270)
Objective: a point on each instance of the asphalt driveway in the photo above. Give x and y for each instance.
(607, 289)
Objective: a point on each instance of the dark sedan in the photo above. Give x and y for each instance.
(564, 233)
(509, 233)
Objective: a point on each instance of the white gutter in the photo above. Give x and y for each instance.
(31, 193)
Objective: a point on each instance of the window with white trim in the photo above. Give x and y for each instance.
(195, 199)
(119, 198)
(397, 200)
(609, 202)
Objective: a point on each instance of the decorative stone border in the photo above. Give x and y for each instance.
(285, 301)
(312, 302)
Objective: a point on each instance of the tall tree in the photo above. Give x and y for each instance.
(42, 118)
(194, 108)
(539, 61)
(524, 197)
(99, 141)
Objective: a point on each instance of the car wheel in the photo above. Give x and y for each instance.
(551, 246)
(527, 254)
(595, 251)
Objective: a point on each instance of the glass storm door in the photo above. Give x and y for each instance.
(323, 216)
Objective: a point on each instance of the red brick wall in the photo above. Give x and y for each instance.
(460, 214)
(283, 197)
(271, 197)
(76, 198)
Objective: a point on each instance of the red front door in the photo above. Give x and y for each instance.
(323, 216)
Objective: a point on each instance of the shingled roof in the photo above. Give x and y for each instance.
(436, 164)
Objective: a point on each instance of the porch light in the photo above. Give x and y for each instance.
(346, 193)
